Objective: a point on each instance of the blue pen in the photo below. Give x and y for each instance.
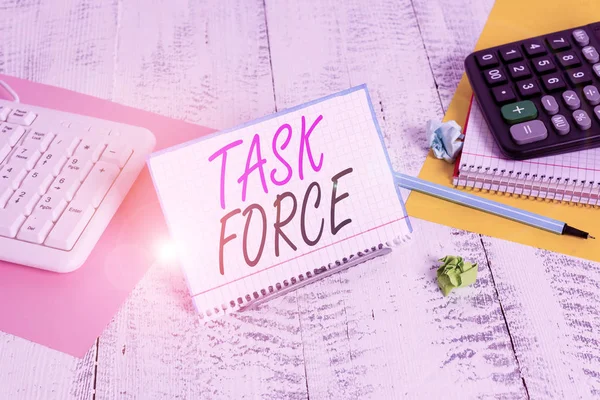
(492, 207)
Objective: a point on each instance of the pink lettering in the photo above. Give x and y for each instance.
(279, 157)
(223, 152)
(255, 146)
(304, 143)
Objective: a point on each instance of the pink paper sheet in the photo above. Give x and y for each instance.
(67, 312)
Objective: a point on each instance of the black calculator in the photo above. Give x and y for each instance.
(540, 96)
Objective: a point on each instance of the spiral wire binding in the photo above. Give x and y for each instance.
(248, 299)
(529, 185)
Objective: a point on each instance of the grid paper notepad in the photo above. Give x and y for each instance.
(571, 177)
(260, 207)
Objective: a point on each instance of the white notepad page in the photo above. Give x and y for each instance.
(195, 196)
(563, 174)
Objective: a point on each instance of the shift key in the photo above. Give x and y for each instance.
(520, 111)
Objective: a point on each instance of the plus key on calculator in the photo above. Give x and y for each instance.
(541, 96)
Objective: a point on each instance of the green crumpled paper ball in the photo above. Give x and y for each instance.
(455, 273)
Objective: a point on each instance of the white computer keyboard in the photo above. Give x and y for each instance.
(62, 178)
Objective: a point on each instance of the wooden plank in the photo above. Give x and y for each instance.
(551, 305)
(68, 44)
(200, 61)
(207, 62)
(383, 330)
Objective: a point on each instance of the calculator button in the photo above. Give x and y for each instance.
(561, 125)
(510, 53)
(487, 59)
(503, 94)
(591, 54)
(582, 119)
(519, 70)
(581, 37)
(528, 88)
(529, 132)
(553, 82)
(534, 47)
(596, 68)
(579, 76)
(519, 112)
(543, 64)
(571, 99)
(550, 105)
(591, 94)
(558, 42)
(597, 112)
(495, 76)
(568, 59)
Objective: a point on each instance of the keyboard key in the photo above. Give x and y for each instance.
(568, 59)
(571, 99)
(558, 42)
(97, 183)
(543, 64)
(561, 125)
(590, 54)
(534, 47)
(21, 117)
(596, 68)
(519, 111)
(503, 94)
(90, 148)
(4, 111)
(70, 225)
(529, 132)
(12, 175)
(64, 144)
(39, 140)
(519, 70)
(579, 76)
(50, 206)
(6, 191)
(528, 88)
(26, 157)
(80, 167)
(66, 185)
(10, 223)
(495, 76)
(51, 162)
(550, 105)
(510, 53)
(37, 181)
(23, 201)
(13, 132)
(35, 229)
(487, 59)
(553, 82)
(116, 153)
(4, 148)
(582, 119)
(581, 37)
(591, 94)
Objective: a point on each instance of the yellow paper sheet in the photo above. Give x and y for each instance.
(512, 20)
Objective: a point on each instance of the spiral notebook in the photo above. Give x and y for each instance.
(571, 177)
(263, 207)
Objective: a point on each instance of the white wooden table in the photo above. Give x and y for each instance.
(529, 327)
